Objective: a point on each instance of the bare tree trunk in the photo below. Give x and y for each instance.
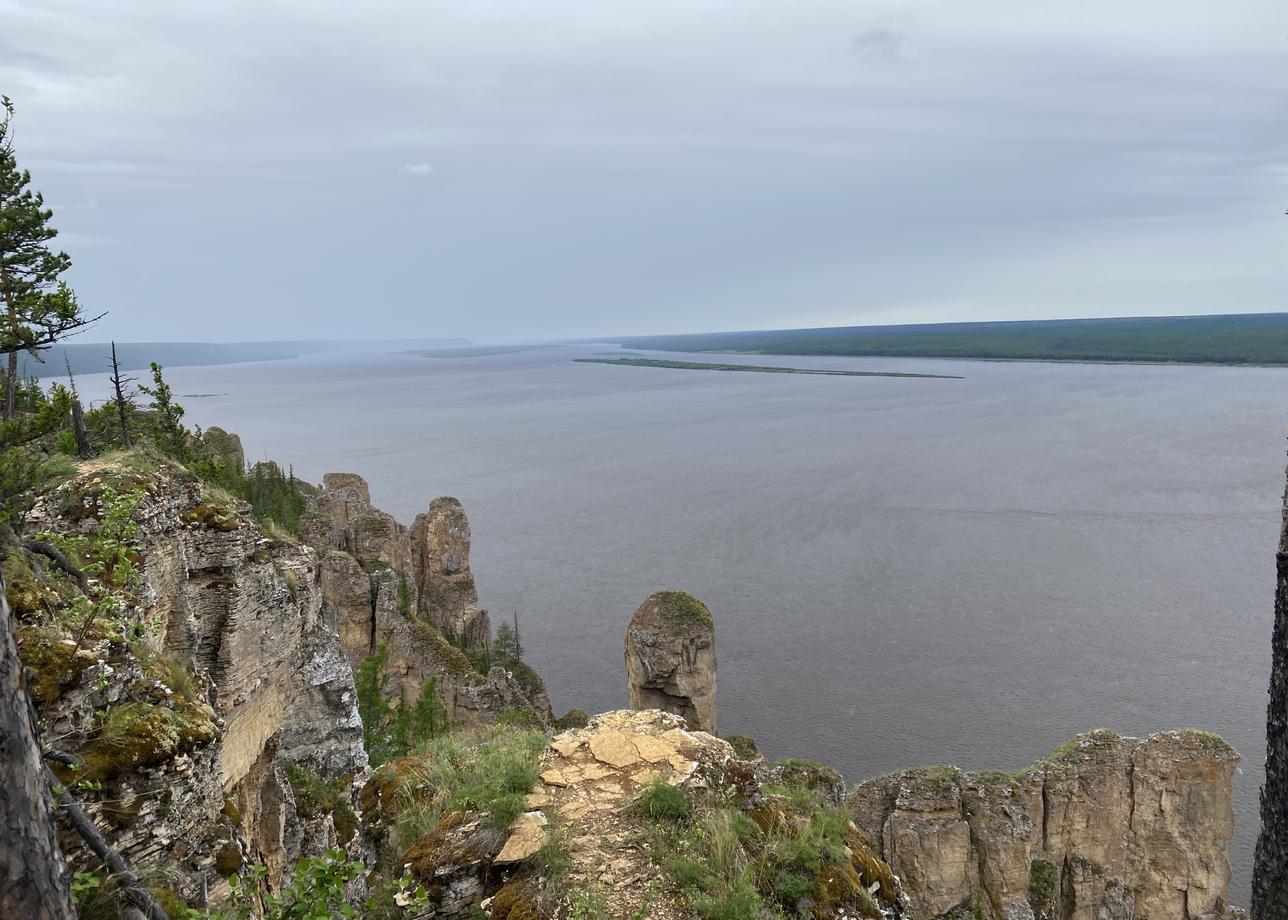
(11, 386)
(119, 383)
(34, 880)
(1270, 869)
(83, 448)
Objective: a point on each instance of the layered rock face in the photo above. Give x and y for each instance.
(412, 593)
(190, 767)
(671, 658)
(1270, 872)
(1107, 828)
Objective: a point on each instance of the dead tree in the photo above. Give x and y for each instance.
(120, 385)
(1270, 867)
(34, 881)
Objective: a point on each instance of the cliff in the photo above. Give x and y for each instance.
(410, 591)
(1106, 828)
(193, 666)
(197, 685)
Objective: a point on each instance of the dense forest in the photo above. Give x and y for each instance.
(1247, 338)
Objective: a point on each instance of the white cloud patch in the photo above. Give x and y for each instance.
(416, 169)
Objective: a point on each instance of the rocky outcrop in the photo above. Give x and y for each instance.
(183, 706)
(671, 658)
(411, 593)
(440, 548)
(1107, 828)
(588, 806)
(1270, 871)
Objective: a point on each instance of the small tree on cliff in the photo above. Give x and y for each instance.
(39, 307)
(171, 435)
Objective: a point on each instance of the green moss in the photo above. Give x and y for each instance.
(795, 773)
(55, 662)
(133, 735)
(1043, 878)
(212, 516)
(315, 797)
(228, 860)
(744, 746)
(681, 607)
(451, 659)
(28, 595)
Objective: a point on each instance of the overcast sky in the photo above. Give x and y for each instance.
(513, 170)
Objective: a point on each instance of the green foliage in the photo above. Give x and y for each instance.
(392, 730)
(729, 865)
(84, 884)
(39, 307)
(490, 771)
(315, 796)
(167, 418)
(315, 890)
(1042, 884)
(29, 444)
(660, 801)
(504, 646)
(1252, 338)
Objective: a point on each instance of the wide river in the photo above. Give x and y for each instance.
(902, 571)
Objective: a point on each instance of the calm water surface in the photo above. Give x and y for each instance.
(902, 571)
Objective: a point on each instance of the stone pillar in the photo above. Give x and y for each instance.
(671, 658)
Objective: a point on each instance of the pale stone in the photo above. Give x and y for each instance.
(527, 836)
(614, 748)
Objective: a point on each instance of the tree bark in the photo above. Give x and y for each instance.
(1270, 867)
(118, 384)
(83, 448)
(11, 386)
(34, 881)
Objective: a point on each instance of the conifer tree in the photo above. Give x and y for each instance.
(171, 435)
(39, 307)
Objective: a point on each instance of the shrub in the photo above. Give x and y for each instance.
(660, 801)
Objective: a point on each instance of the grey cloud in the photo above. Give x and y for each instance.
(677, 166)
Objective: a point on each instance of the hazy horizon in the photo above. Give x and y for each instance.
(512, 173)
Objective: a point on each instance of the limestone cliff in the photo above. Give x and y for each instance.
(180, 709)
(1107, 828)
(411, 592)
(671, 658)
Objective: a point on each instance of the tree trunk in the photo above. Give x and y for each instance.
(83, 448)
(1270, 869)
(118, 384)
(11, 386)
(34, 880)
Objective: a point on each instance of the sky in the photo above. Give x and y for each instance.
(505, 170)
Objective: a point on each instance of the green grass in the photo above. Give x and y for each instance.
(489, 771)
(661, 801)
(751, 368)
(1248, 338)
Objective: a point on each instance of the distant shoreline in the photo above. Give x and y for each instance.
(755, 368)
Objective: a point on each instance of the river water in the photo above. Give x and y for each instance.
(902, 571)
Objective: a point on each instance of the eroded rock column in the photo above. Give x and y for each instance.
(671, 658)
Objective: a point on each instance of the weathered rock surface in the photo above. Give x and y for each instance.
(671, 658)
(1270, 870)
(204, 789)
(440, 551)
(1107, 828)
(411, 592)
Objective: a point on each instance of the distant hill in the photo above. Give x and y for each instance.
(94, 357)
(1245, 338)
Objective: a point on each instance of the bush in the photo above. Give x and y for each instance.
(661, 801)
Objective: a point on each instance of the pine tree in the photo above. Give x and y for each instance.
(39, 307)
(172, 436)
(503, 646)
